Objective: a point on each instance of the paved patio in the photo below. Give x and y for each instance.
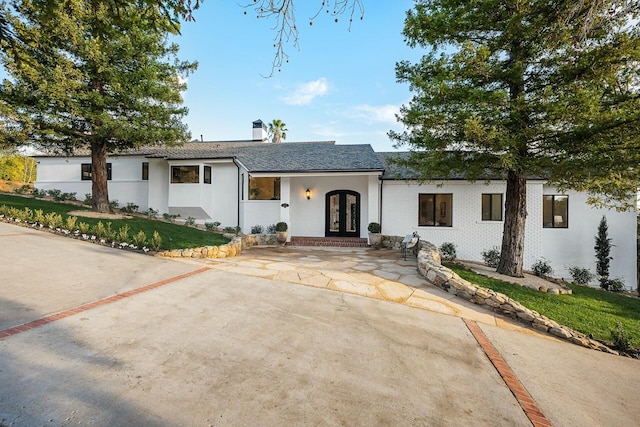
(373, 273)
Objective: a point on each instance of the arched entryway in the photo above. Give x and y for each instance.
(342, 218)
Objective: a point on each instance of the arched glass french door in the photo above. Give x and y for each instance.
(342, 214)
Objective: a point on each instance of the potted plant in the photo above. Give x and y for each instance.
(281, 231)
(374, 234)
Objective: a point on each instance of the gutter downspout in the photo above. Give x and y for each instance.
(380, 202)
(239, 191)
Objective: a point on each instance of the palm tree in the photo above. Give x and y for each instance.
(277, 131)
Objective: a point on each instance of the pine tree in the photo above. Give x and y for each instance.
(510, 89)
(83, 77)
(603, 249)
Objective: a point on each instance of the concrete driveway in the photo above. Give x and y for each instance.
(115, 338)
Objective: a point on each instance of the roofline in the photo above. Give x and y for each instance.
(317, 171)
(383, 178)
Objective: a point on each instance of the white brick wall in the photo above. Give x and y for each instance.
(562, 248)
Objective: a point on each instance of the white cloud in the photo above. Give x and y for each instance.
(306, 92)
(376, 113)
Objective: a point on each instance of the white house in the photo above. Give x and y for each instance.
(324, 190)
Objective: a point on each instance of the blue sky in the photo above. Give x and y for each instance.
(339, 86)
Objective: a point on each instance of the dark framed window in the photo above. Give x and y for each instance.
(492, 207)
(145, 171)
(185, 174)
(207, 175)
(267, 188)
(555, 211)
(85, 169)
(434, 210)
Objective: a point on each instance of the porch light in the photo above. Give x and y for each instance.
(308, 194)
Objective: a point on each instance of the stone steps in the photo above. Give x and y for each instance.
(342, 242)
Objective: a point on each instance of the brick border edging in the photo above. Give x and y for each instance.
(14, 330)
(518, 390)
(431, 268)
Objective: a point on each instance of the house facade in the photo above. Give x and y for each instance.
(321, 189)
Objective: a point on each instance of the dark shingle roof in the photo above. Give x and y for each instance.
(318, 156)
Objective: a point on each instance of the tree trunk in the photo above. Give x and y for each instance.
(99, 188)
(515, 215)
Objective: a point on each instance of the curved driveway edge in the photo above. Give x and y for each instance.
(221, 348)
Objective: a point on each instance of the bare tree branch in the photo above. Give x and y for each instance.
(283, 11)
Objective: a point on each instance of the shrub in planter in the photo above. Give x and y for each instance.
(282, 226)
(491, 257)
(448, 251)
(374, 227)
(271, 229)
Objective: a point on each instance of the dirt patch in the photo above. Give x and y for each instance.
(10, 186)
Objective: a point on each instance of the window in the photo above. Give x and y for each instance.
(555, 211)
(434, 210)
(492, 207)
(264, 188)
(86, 171)
(145, 171)
(185, 174)
(207, 174)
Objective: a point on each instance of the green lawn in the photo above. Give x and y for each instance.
(174, 236)
(587, 310)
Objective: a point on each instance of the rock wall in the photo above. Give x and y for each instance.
(231, 249)
(429, 266)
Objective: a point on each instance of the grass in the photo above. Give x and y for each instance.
(587, 310)
(174, 236)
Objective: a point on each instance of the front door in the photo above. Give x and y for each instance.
(342, 214)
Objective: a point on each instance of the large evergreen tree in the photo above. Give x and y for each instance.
(512, 88)
(82, 76)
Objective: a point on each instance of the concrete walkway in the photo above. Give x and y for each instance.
(93, 335)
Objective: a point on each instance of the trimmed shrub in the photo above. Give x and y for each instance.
(541, 268)
(448, 251)
(603, 249)
(491, 257)
(282, 226)
(616, 285)
(374, 227)
(257, 229)
(156, 241)
(580, 275)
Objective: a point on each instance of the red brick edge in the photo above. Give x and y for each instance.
(85, 307)
(521, 394)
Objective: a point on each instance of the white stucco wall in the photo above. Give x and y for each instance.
(308, 216)
(159, 190)
(125, 186)
(217, 201)
(573, 246)
(221, 197)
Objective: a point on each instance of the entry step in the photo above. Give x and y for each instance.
(343, 242)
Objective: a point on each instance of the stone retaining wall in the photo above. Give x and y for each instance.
(429, 266)
(231, 249)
